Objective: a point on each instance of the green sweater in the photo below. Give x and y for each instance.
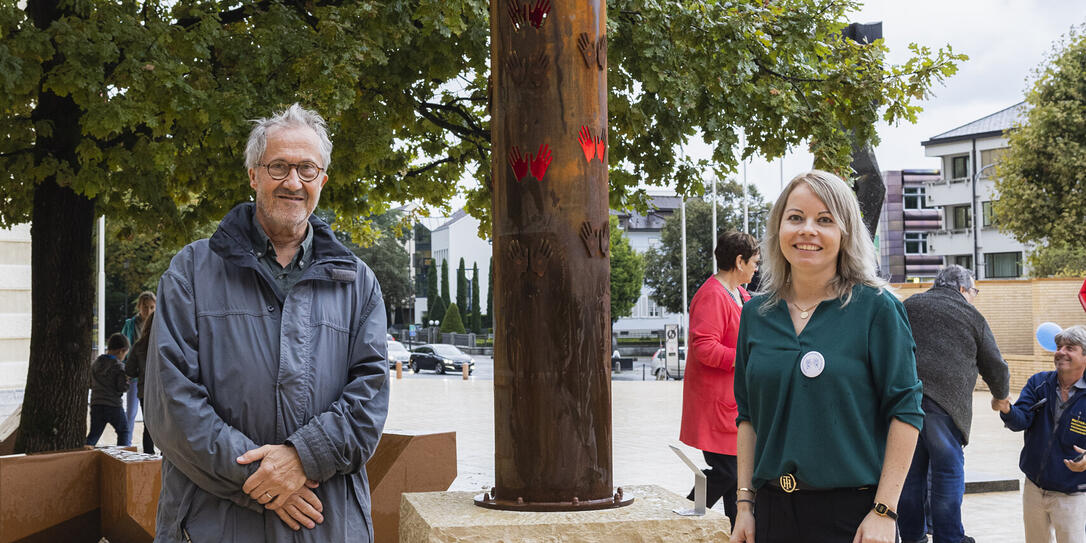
(829, 430)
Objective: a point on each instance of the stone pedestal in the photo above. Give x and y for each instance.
(440, 517)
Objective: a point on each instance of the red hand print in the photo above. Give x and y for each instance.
(601, 147)
(541, 161)
(538, 16)
(519, 164)
(584, 137)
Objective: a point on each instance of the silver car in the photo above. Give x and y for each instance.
(398, 353)
(664, 371)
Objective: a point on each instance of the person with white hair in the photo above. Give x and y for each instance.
(825, 379)
(267, 386)
(1052, 411)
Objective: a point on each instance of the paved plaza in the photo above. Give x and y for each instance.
(645, 421)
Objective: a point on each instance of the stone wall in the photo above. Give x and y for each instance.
(14, 305)
(1014, 309)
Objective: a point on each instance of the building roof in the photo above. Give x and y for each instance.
(991, 125)
(456, 216)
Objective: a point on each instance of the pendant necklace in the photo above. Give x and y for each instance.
(804, 313)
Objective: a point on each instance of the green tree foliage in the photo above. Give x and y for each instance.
(490, 296)
(1042, 176)
(390, 262)
(1058, 261)
(476, 311)
(437, 302)
(663, 265)
(141, 109)
(452, 321)
(462, 287)
(627, 273)
(432, 295)
(445, 295)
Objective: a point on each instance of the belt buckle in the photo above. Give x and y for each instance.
(787, 483)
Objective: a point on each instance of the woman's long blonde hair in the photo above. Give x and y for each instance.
(856, 259)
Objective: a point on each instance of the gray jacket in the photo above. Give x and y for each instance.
(953, 343)
(236, 364)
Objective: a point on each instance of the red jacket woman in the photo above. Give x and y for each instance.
(709, 408)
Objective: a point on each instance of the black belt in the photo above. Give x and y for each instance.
(788, 484)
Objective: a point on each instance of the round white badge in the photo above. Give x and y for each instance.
(812, 364)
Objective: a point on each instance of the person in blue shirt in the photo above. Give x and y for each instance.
(1052, 411)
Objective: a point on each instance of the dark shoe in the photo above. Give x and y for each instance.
(967, 539)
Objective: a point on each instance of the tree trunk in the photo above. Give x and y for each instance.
(54, 414)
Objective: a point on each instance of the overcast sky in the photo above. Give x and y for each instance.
(1005, 40)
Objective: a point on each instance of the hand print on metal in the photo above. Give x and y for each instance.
(596, 240)
(594, 53)
(523, 15)
(527, 71)
(523, 164)
(592, 146)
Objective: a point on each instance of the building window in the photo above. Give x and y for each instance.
(959, 167)
(1002, 265)
(916, 243)
(914, 198)
(989, 157)
(654, 310)
(960, 218)
(987, 213)
(965, 261)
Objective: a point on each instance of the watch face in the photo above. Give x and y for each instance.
(880, 508)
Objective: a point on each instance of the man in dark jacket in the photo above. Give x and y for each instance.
(267, 385)
(1052, 411)
(953, 344)
(108, 382)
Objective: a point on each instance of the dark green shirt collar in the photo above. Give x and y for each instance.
(264, 247)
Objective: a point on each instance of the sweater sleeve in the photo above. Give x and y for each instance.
(990, 362)
(892, 356)
(709, 317)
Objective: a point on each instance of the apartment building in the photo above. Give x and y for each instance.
(907, 221)
(965, 192)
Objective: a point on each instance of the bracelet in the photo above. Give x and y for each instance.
(744, 500)
(744, 489)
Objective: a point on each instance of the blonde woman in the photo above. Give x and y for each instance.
(825, 379)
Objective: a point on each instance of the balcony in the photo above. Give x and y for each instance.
(948, 192)
(950, 242)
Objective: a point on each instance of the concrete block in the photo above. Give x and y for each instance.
(440, 517)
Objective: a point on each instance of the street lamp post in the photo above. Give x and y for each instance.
(973, 210)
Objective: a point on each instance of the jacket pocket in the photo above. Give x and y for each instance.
(726, 412)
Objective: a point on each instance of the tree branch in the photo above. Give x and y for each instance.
(424, 110)
(423, 169)
(17, 153)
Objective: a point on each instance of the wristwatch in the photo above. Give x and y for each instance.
(884, 510)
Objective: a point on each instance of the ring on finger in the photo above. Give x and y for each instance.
(269, 496)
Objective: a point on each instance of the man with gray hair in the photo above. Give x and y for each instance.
(267, 386)
(953, 345)
(1052, 411)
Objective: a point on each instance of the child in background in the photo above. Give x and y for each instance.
(108, 382)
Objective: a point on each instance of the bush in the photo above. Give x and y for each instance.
(452, 322)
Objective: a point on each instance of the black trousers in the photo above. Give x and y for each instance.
(820, 516)
(720, 482)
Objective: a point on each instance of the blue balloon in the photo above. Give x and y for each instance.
(1046, 335)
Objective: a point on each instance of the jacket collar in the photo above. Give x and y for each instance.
(234, 239)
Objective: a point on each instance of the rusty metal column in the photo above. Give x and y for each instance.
(552, 375)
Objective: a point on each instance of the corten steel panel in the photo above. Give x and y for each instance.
(40, 491)
(407, 463)
(552, 383)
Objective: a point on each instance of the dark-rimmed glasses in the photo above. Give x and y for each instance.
(280, 169)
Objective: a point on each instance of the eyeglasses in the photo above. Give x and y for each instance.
(974, 290)
(280, 169)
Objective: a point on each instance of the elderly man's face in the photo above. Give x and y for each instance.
(970, 293)
(286, 204)
(1070, 359)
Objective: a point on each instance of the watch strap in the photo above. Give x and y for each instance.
(884, 510)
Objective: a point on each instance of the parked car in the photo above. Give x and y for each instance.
(398, 353)
(440, 357)
(668, 371)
